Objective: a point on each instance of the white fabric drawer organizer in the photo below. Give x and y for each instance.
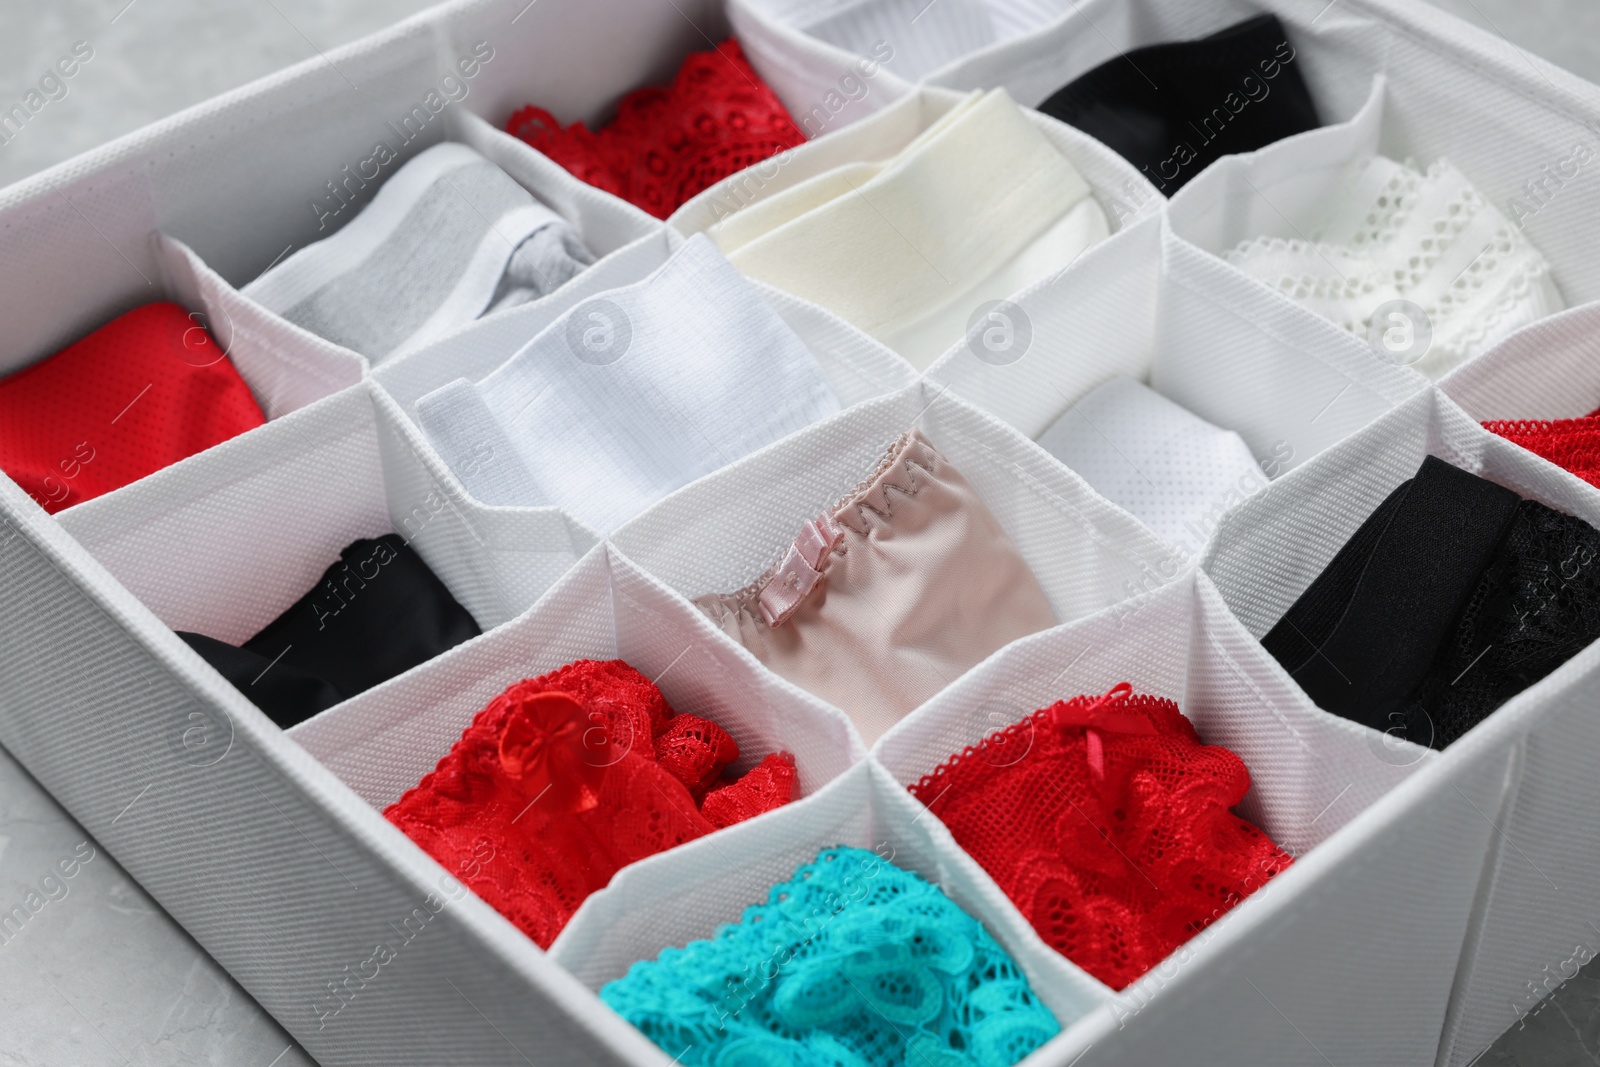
(1433, 892)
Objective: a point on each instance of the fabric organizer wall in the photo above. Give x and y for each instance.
(1424, 897)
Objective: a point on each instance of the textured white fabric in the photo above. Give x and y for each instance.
(1167, 467)
(1394, 232)
(448, 237)
(1547, 371)
(259, 518)
(856, 366)
(629, 396)
(925, 37)
(498, 560)
(285, 366)
(907, 249)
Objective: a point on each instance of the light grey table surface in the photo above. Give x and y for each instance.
(99, 974)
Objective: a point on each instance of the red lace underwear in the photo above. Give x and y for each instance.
(665, 145)
(143, 391)
(1573, 444)
(567, 778)
(1107, 822)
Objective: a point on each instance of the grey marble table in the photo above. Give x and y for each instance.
(98, 973)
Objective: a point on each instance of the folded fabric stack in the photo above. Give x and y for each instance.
(449, 237)
(630, 395)
(908, 248)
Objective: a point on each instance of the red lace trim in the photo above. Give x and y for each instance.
(1572, 444)
(565, 779)
(666, 145)
(1107, 822)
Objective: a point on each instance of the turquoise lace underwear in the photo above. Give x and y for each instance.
(851, 963)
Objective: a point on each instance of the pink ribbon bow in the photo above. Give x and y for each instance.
(800, 571)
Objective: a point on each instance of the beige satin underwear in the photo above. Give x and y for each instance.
(891, 594)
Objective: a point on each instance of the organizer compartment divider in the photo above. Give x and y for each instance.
(547, 57)
(384, 741)
(721, 532)
(686, 893)
(1549, 370)
(285, 366)
(1248, 359)
(226, 541)
(1085, 326)
(496, 560)
(1270, 548)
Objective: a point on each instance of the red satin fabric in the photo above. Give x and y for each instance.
(666, 145)
(1107, 823)
(567, 778)
(142, 392)
(1573, 444)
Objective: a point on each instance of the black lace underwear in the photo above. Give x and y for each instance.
(1453, 597)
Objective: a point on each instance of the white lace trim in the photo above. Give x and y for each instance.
(1396, 232)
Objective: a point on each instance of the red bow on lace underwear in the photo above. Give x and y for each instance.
(1104, 715)
(559, 750)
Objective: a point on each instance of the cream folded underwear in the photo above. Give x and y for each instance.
(1160, 462)
(1398, 233)
(889, 595)
(978, 207)
(449, 237)
(631, 394)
